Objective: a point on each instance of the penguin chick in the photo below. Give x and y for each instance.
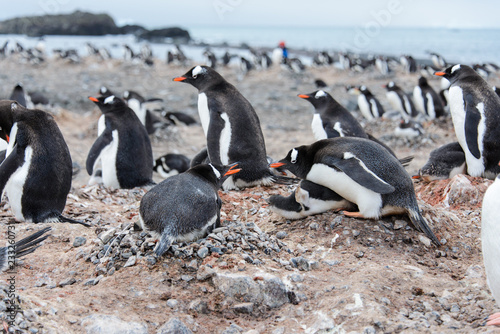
(474, 110)
(444, 163)
(37, 170)
(21, 248)
(184, 207)
(308, 199)
(171, 164)
(362, 172)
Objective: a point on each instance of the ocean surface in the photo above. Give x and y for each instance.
(456, 45)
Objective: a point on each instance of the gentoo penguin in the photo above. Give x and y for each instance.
(184, 207)
(210, 59)
(400, 101)
(490, 230)
(232, 128)
(320, 84)
(444, 163)
(444, 92)
(427, 100)
(171, 164)
(474, 110)
(138, 104)
(21, 248)
(382, 64)
(178, 118)
(18, 94)
(105, 91)
(362, 172)
(123, 147)
(368, 104)
(409, 64)
(409, 129)
(496, 90)
(437, 60)
(308, 199)
(330, 118)
(36, 173)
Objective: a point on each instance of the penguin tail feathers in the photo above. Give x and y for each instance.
(406, 160)
(163, 244)
(63, 219)
(31, 243)
(278, 179)
(420, 224)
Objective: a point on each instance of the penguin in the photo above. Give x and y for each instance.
(201, 158)
(437, 60)
(444, 92)
(368, 104)
(490, 244)
(184, 207)
(232, 128)
(320, 84)
(210, 59)
(409, 129)
(171, 164)
(105, 91)
(123, 147)
(474, 110)
(178, 118)
(330, 118)
(362, 172)
(36, 173)
(444, 162)
(427, 101)
(409, 64)
(138, 104)
(496, 90)
(382, 64)
(18, 94)
(308, 199)
(20, 249)
(400, 100)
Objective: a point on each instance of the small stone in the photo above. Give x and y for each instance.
(193, 265)
(399, 224)
(246, 308)
(205, 272)
(202, 252)
(198, 306)
(301, 263)
(100, 323)
(130, 262)
(281, 235)
(355, 233)
(174, 326)
(79, 241)
(150, 260)
(314, 226)
(423, 239)
(359, 254)
(454, 308)
(172, 303)
(67, 281)
(187, 278)
(107, 235)
(296, 278)
(233, 329)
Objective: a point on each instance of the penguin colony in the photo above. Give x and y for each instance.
(346, 169)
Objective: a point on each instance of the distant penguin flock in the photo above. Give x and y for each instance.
(345, 169)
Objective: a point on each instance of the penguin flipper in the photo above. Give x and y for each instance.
(101, 142)
(472, 120)
(163, 244)
(10, 165)
(357, 170)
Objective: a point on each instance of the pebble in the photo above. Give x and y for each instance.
(314, 226)
(67, 281)
(399, 224)
(130, 262)
(172, 303)
(202, 252)
(281, 235)
(174, 325)
(79, 241)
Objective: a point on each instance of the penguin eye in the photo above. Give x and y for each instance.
(293, 157)
(195, 76)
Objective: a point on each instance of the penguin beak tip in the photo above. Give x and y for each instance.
(179, 79)
(277, 164)
(439, 73)
(93, 99)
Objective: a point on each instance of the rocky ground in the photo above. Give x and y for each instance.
(258, 273)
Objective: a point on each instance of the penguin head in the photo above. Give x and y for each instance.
(391, 86)
(352, 90)
(297, 161)
(214, 173)
(422, 82)
(8, 109)
(318, 98)
(456, 72)
(108, 104)
(130, 94)
(201, 77)
(104, 91)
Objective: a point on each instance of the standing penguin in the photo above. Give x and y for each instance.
(474, 110)
(308, 199)
(36, 173)
(368, 104)
(123, 147)
(427, 101)
(184, 207)
(232, 128)
(363, 173)
(330, 118)
(400, 101)
(138, 104)
(18, 94)
(490, 230)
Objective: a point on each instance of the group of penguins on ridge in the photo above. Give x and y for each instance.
(345, 169)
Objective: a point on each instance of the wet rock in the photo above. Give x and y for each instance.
(110, 324)
(174, 326)
(79, 241)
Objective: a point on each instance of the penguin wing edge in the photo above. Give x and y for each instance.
(472, 123)
(359, 172)
(102, 141)
(11, 163)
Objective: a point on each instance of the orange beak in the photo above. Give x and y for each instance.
(93, 99)
(439, 73)
(180, 78)
(8, 138)
(277, 164)
(303, 96)
(232, 171)
(416, 177)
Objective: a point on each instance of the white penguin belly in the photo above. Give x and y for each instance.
(101, 125)
(395, 102)
(317, 128)
(431, 112)
(203, 112)
(108, 160)
(364, 107)
(167, 173)
(418, 99)
(225, 140)
(368, 201)
(475, 166)
(135, 105)
(15, 185)
(375, 112)
(490, 230)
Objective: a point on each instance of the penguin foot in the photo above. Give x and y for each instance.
(353, 214)
(493, 320)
